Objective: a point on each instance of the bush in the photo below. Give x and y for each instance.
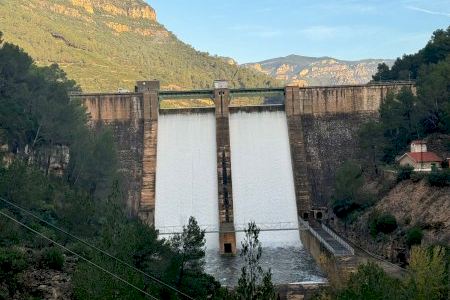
(348, 183)
(385, 223)
(404, 173)
(418, 176)
(445, 164)
(439, 178)
(52, 258)
(12, 263)
(414, 236)
(370, 282)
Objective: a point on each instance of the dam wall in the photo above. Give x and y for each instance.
(124, 115)
(322, 130)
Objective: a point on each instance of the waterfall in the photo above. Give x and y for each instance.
(263, 188)
(263, 184)
(186, 172)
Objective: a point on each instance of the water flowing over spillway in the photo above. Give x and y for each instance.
(263, 188)
(263, 191)
(186, 174)
(263, 184)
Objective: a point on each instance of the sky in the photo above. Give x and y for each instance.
(255, 30)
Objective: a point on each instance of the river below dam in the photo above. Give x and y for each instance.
(263, 189)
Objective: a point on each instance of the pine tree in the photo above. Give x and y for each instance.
(254, 282)
(190, 249)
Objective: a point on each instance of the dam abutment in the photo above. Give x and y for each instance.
(298, 153)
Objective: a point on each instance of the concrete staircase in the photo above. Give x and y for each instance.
(327, 238)
(338, 248)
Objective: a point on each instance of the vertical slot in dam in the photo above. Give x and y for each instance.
(186, 176)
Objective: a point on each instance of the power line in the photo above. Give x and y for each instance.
(78, 255)
(96, 248)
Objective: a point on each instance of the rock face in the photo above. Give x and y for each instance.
(316, 71)
(135, 8)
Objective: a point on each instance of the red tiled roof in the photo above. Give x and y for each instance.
(424, 157)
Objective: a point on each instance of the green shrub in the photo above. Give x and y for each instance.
(439, 178)
(385, 223)
(12, 263)
(445, 164)
(52, 258)
(418, 176)
(414, 236)
(404, 173)
(347, 186)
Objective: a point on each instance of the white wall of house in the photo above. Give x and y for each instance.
(418, 167)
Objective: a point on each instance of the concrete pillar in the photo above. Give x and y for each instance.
(151, 111)
(302, 186)
(227, 237)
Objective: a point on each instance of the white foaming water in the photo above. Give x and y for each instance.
(186, 172)
(263, 184)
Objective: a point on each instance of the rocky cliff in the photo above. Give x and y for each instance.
(109, 44)
(312, 71)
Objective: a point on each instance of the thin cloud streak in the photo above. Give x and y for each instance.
(427, 11)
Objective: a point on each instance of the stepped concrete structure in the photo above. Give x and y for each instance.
(322, 129)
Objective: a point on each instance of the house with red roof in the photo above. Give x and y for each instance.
(419, 158)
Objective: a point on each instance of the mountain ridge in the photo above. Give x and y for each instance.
(325, 70)
(109, 44)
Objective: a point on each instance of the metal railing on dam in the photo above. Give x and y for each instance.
(268, 91)
(209, 94)
(281, 226)
(328, 238)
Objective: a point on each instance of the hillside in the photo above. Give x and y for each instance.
(413, 204)
(309, 71)
(107, 44)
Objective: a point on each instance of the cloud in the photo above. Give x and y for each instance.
(427, 11)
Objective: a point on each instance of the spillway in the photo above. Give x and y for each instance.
(263, 188)
(263, 184)
(186, 172)
(263, 191)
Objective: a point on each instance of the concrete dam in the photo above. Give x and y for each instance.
(227, 165)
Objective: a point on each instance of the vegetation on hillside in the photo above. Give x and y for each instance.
(404, 117)
(104, 50)
(427, 278)
(87, 200)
